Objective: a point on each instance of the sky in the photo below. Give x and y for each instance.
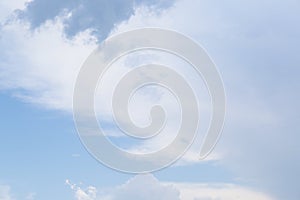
(254, 44)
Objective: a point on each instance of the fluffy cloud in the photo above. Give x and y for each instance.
(148, 187)
(133, 189)
(41, 66)
(256, 54)
(90, 193)
(145, 187)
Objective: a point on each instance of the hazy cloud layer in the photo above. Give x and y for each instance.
(255, 46)
(5, 193)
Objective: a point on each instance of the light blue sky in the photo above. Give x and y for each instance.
(255, 45)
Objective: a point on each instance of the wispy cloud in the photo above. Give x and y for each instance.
(5, 193)
(90, 193)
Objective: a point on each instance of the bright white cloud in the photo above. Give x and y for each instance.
(90, 193)
(261, 97)
(133, 189)
(41, 66)
(144, 187)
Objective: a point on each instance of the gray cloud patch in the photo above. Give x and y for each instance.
(98, 15)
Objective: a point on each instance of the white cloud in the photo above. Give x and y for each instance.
(7, 7)
(219, 192)
(90, 193)
(31, 196)
(256, 55)
(260, 89)
(133, 189)
(41, 66)
(144, 187)
(5, 193)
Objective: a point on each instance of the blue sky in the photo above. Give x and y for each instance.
(255, 45)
